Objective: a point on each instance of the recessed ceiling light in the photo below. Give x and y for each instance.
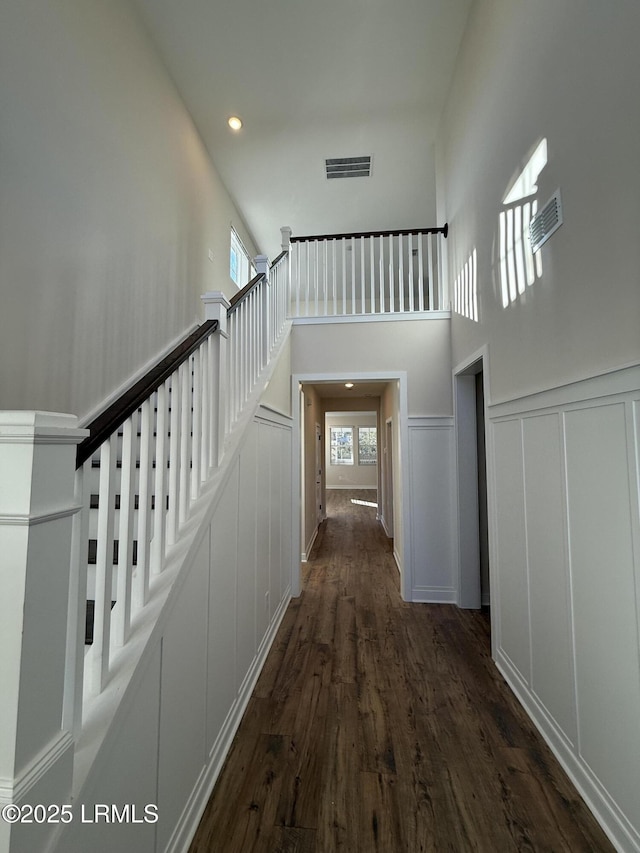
(234, 123)
(348, 384)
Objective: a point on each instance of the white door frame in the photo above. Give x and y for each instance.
(387, 478)
(464, 407)
(400, 376)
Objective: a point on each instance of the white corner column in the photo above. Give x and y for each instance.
(216, 306)
(37, 506)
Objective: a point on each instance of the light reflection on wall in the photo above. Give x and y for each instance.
(465, 289)
(519, 268)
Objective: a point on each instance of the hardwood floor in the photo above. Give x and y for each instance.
(379, 726)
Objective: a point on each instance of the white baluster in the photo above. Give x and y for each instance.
(122, 609)
(205, 410)
(298, 264)
(325, 275)
(392, 278)
(185, 439)
(316, 275)
(401, 281)
(420, 273)
(334, 281)
(344, 275)
(196, 425)
(362, 277)
(158, 543)
(410, 276)
(372, 277)
(353, 275)
(147, 446)
(174, 461)
(381, 272)
(99, 654)
(432, 304)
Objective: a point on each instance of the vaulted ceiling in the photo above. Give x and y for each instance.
(311, 81)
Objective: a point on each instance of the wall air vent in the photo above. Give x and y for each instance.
(348, 167)
(544, 223)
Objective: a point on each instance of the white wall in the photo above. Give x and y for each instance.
(109, 205)
(568, 72)
(175, 726)
(432, 516)
(278, 392)
(423, 450)
(562, 473)
(354, 476)
(419, 347)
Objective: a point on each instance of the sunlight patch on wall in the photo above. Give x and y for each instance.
(519, 267)
(465, 289)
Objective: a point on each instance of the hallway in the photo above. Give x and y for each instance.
(378, 725)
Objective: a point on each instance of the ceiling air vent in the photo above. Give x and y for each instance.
(544, 223)
(348, 167)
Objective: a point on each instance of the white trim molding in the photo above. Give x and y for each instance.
(431, 509)
(564, 513)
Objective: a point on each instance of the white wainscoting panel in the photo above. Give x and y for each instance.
(432, 509)
(565, 559)
(183, 695)
(222, 679)
(604, 598)
(263, 549)
(514, 637)
(247, 515)
(127, 773)
(168, 742)
(286, 521)
(552, 672)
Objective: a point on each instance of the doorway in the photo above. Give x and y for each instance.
(384, 393)
(473, 557)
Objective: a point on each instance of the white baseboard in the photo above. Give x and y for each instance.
(304, 557)
(621, 834)
(396, 557)
(187, 825)
(433, 595)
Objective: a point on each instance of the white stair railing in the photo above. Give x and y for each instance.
(139, 471)
(256, 318)
(371, 273)
(145, 462)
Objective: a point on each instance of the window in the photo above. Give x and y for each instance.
(367, 445)
(341, 445)
(241, 268)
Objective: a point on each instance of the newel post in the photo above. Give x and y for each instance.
(285, 242)
(216, 306)
(263, 267)
(37, 506)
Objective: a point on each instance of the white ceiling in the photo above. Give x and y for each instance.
(311, 80)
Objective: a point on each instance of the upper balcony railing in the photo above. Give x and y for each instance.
(370, 273)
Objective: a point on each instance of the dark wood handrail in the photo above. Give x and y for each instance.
(102, 427)
(444, 230)
(241, 295)
(279, 258)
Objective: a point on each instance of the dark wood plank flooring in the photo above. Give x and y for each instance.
(379, 726)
